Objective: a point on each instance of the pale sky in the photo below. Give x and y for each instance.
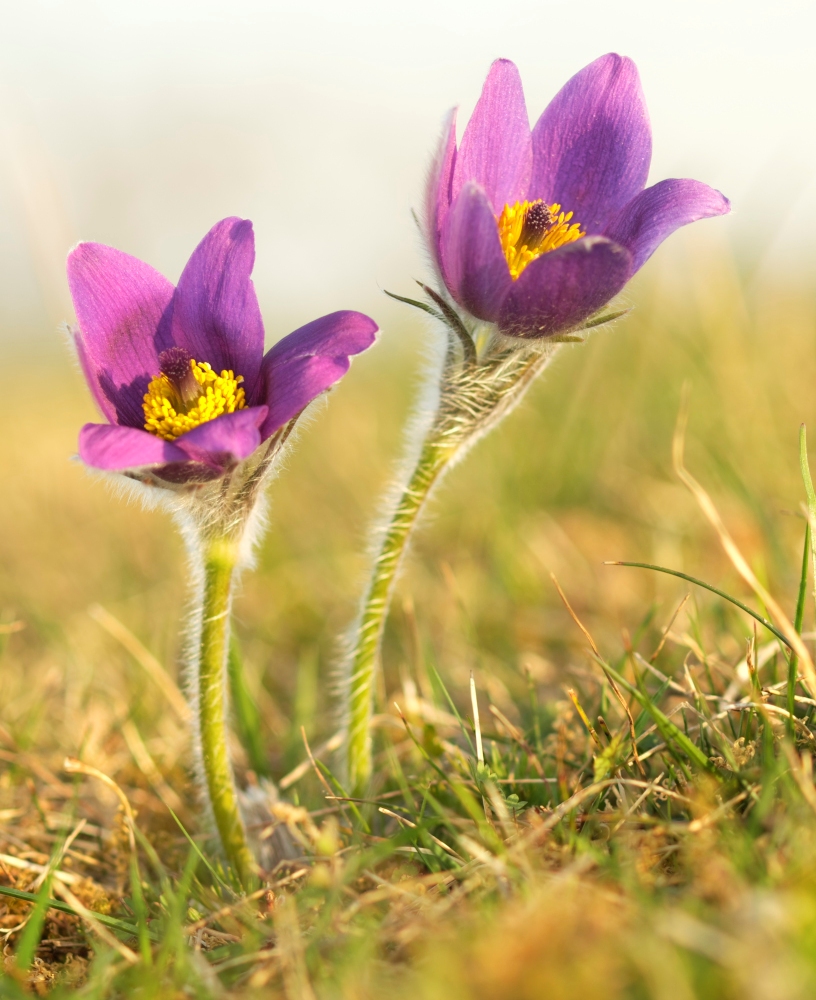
(140, 123)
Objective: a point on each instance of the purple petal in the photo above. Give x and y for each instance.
(106, 408)
(106, 446)
(562, 288)
(473, 259)
(225, 441)
(656, 212)
(496, 149)
(122, 306)
(438, 189)
(309, 361)
(593, 144)
(215, 310)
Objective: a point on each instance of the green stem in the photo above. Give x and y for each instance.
(433, 459)
(219, 555)
(474, 397)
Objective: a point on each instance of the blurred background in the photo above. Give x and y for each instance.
(139, 124)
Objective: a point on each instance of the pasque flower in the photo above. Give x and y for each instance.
(180, 373)
(531, 234)
(537, 230)
(189, 396)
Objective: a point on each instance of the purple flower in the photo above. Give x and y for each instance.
(536, 231)
(180, 373)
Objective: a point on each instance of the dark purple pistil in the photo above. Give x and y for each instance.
(536, 223)
(174, 363)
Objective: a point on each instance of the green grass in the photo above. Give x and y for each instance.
(564, 865)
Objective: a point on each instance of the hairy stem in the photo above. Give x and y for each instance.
(474, 397)
(220, 556)
(433, 459)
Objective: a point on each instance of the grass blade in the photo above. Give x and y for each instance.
(247, 716)
(706, 586)
(667, 728)
(202, 857)
(344, 795)
(793, 664)
(810, 494)
(32, 932)
(441, 685)
(56, 904)
(140, 909)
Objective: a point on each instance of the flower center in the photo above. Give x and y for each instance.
(187, 393)
(528, 229)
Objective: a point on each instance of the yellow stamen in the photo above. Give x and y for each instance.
(528, 229)
(168, 415)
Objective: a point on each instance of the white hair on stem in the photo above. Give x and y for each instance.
(463, 397)
(233, 508)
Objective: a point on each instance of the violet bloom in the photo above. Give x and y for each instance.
(179, 373)
(536, 231)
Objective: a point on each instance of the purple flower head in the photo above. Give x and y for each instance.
(179, 373)
(537, 230)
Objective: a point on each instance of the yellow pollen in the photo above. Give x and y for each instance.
(167, 415)
(523, 242)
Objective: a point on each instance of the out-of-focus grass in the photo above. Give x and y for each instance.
(580, 474)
